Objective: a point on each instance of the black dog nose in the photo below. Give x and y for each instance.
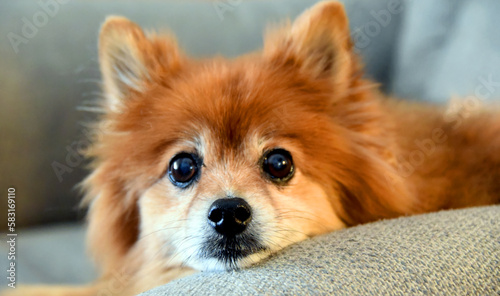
(229, 216)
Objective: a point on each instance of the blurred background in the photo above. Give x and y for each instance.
(49, 76)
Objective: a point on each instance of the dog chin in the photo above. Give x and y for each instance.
(228, 264)
(220, 253)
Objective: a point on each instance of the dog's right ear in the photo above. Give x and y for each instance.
(129, 59)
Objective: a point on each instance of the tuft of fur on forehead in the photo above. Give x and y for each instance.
(306, 86)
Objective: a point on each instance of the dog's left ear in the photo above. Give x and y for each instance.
(317, 43)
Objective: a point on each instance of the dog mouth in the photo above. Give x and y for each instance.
(231, 250)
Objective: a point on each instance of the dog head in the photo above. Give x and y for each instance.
(215, 164)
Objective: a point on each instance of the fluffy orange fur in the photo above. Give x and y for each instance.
(359, 156)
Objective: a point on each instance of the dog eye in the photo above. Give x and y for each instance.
(183, 169)
(278, 165)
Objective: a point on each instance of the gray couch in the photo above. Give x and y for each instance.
(423, 50)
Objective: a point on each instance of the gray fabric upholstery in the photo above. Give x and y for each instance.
(448, 47)
(446, 253)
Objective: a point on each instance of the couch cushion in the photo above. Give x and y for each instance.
(446, 253)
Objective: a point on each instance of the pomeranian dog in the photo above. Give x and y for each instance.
(215, 164)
